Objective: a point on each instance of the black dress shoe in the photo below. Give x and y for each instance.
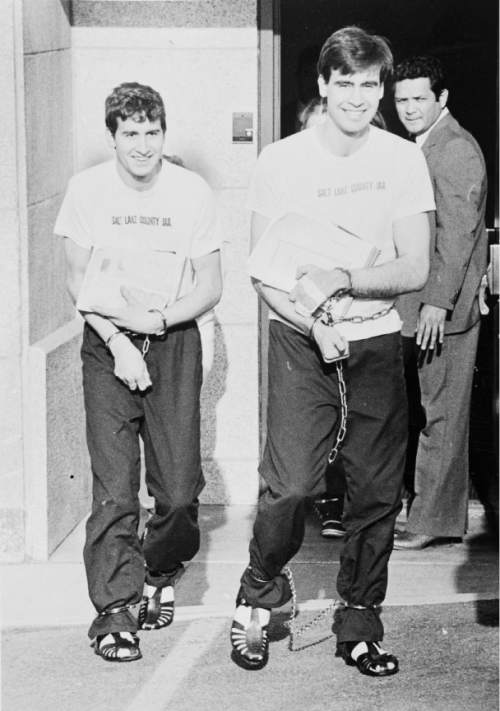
(405, 540)
(417, 541)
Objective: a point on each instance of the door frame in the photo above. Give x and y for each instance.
(269, 97)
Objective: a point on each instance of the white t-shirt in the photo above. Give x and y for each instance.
(177, 213)
(385, 180)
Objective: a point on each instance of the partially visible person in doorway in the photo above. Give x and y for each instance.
(142, 368)
(375, 185)
(441, 321)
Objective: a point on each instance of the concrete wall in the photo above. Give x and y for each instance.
(44, 476)
(202, 57)
(11, 311)
(47, 78)
(57, 471)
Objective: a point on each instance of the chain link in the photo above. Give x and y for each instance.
(341, 433)
(145, 346)
(329, 320)
(297, 632)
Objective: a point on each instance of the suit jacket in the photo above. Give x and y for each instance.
(459, 241)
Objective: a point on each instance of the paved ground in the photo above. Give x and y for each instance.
(441, 620)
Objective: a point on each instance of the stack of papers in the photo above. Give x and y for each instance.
(294, 240)
(155, 276)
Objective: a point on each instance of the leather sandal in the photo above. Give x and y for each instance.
(369, 658)
(118, 647)
(157, 608)
(249, 637)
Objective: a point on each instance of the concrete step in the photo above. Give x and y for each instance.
(55, 593)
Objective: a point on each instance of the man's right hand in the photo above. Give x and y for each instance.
(130, 366)
(330, 342)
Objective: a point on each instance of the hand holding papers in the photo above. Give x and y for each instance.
(156, 275)
(295, 240)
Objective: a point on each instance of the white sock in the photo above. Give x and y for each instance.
(243, 613)
(167, 593)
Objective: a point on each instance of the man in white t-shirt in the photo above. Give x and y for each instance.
(142, 369)
(376, 185)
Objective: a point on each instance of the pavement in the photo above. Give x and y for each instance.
(440, 615)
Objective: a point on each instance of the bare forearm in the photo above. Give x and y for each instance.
(400, 276)
(195, 304)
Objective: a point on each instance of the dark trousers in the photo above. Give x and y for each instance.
(167, 418)
(441, 488)
(303, 409)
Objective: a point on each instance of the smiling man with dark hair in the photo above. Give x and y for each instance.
(376, 185)
(142, 367)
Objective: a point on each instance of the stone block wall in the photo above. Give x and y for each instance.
(36, 162)
(57, 474)
(12, 258)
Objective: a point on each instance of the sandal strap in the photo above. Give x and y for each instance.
(373, 662)
(155, 614)
(110, 650)
(250, 643)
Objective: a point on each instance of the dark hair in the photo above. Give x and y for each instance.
(423, 67)
(352, 50)
(310, 109)
(134, 100)
(379, 121)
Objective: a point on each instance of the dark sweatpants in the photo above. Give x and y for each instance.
(167, 418)
(302, 415)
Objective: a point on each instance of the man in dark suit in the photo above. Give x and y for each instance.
(442, 319)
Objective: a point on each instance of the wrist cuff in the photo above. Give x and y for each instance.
(164, 327)
(111, 338)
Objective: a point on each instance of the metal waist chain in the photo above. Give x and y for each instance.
(329, 320)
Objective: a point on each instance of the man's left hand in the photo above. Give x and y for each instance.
(325, 282)
(135, 316)
(430, 326)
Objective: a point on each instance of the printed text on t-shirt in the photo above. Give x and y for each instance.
(141, 220)
(353, 188)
